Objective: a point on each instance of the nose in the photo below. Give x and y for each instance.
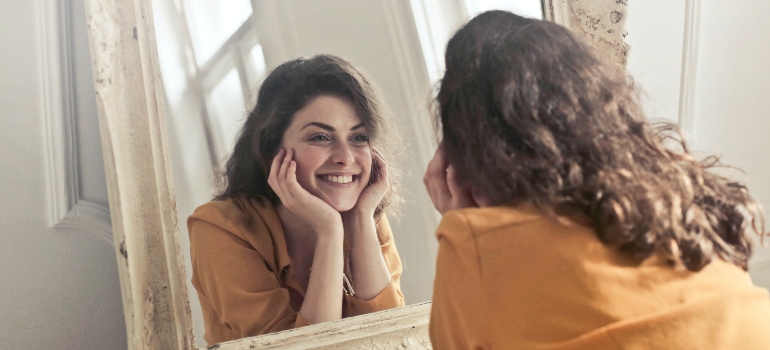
(342, 155)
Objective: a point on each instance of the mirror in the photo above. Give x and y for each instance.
(396, 42)
(214, 55)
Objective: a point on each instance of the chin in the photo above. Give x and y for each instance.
(340, 203)
(342, 206)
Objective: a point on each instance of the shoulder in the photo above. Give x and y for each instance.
(474, 222)
(232, 208)
(250, 223)
(232, 213)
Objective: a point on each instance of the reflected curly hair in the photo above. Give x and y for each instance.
(287, 89)
(530, 113)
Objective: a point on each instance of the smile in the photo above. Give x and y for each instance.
(342, 179)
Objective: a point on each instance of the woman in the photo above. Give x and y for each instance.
(567, 222)
(301, 219)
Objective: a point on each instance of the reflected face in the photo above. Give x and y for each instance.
(331, 147)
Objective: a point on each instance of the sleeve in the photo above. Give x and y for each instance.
(390, 297)
(457, 319)
(244, 296)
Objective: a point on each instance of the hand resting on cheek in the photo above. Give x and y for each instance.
(378, 186)
(311, 209)
(445, 191)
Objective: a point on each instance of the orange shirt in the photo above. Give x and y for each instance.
(243, 274)
(511, 278)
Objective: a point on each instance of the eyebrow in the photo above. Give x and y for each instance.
(329, 127)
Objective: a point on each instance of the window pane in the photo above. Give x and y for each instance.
(212, 22)
(526, 8)
(258, 60)
(226, 110)
(170, 51)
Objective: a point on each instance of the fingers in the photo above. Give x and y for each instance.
(445, 190)
(379, 172)
(461, 196)
(285, 165)
(283, 181)
(480, 198)
(279, 173)
(436, 168)
(454, 188)
(436, 181)
(291, 180)
(275, 167)
(383, 170)
(283, 178)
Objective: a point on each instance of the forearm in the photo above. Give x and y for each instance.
(369, 272)
(323, 301)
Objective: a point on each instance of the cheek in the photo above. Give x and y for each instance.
(307, 163)
(303, 175)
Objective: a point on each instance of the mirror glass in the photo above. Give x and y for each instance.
(214, 54)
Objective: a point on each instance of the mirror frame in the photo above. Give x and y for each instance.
(130, 104)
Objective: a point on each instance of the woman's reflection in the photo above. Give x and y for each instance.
(299, 233)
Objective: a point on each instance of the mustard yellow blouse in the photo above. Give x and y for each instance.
(243, 274)
(511, 278)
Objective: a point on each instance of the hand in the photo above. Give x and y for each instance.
(378, 185)
(313, 210)
(444, 190)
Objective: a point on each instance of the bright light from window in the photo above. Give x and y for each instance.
(258, 60)
(525, 8)
(170, 51)
(226, 109)
(212, 22)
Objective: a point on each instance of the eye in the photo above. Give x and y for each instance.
(320, 138)
(360, 138)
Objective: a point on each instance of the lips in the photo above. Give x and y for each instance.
(340, 179)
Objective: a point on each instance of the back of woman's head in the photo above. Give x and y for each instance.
(287, 89)
(530, 113)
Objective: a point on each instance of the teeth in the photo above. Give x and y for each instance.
(339, 179)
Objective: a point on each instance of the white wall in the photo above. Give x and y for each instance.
(656, 35)
(60, 285)
(732, 107)
(732, 80)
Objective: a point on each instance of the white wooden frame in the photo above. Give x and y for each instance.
(129, 96)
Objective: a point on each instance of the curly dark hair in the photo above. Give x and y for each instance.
(530, 113)
(287, 89)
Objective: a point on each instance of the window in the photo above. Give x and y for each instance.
(526, 8)
(436, 21)
(210, 56)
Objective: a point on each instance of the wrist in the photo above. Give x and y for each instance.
(333, 227)
(358, 212)
(357, 216)
(332, 238)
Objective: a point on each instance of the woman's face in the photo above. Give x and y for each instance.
(331, 149)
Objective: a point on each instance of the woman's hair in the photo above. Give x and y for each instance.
(286, 90)
(530, 113)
